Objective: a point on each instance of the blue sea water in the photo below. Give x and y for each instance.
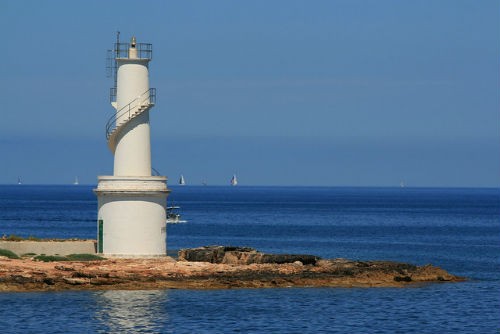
(456, 229)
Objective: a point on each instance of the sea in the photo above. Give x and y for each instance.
(457, 229)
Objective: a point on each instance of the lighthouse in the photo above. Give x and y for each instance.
(131, 203)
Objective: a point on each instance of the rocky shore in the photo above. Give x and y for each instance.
(213, 268)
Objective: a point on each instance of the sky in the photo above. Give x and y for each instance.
(289, 93)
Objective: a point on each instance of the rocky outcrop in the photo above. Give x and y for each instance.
(164, 273)
(241, 256)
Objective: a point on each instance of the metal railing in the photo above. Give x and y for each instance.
(112, 94)
(146, 99)
(122, 51)
(144, 50)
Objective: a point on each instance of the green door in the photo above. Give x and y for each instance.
(99, 239)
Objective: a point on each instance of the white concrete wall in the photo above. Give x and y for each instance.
(133, 225)
(50, 247)
(133, 212)
(132, 80)
(133, 150)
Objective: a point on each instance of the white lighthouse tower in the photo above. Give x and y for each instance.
(131, 202)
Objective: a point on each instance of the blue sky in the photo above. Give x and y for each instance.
(334, 93)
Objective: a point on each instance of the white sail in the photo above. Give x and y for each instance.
(76, 181)
(182, 181)
(234, 180)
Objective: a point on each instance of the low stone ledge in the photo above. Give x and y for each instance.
(50, 247)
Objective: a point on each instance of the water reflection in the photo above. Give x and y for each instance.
(120, 311)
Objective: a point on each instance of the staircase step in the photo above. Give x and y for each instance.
(139, 109)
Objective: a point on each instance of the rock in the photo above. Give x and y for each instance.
(103, 281)
(237, 257)
(289, 258)
(80, 274)
(48, 281)
(75, 281)
(402, 278)
(212, 254)
(241, 256)
(22, 279)
(64, 268)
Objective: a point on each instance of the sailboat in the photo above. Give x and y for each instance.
(182, 182)
(76, 181)
(234, 180)
(19, 180)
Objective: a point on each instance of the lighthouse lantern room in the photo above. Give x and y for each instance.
(131, 202)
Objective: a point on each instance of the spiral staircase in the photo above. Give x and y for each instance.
(122, 117)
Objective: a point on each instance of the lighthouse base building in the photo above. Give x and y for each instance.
(132, 203)
(132, 216)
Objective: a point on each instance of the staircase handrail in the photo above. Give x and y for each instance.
(148, 97)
